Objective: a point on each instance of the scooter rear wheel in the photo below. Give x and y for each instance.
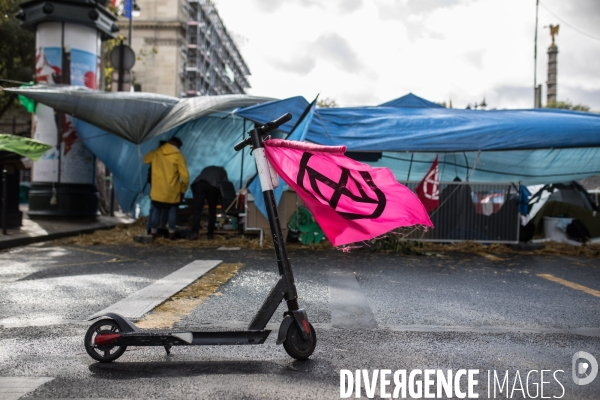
(106, 353)
(296, 346)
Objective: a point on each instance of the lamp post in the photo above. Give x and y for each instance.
(68, 51)
(537, 96)
(130, 7)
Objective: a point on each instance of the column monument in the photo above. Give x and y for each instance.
(552, 62)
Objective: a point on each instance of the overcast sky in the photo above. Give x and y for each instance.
(366, 52)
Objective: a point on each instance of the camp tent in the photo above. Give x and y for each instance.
(119, 128)
(532, 146)
(535, 146)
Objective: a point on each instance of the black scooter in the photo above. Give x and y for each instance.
(107, 339)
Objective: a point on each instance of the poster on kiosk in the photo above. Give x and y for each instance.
(65, 54)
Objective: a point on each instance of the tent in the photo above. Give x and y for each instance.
(119, 128)
(410, 101)
(535, 146)
(531, 146)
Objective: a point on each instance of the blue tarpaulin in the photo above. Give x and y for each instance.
(450, 130)
(274, 109)
(410, 101)
(532, 146)
(208, 140)
(298, 133)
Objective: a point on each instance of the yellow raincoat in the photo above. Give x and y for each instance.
(170, 176)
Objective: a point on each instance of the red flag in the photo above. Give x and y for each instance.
(429, 188)
(351, 201)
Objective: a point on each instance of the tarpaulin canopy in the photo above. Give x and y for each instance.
(133, 116)
(208, 140)
(120, 128)
(532, 146)
(443, 129)
(410, 101)
(274, 109)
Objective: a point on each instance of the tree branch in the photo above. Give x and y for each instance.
(5, 107)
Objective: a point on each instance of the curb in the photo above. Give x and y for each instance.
(27, 240)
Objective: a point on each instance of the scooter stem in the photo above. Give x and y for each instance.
(283, 263)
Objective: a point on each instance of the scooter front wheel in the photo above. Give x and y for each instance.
(296, 346)
(106, 353)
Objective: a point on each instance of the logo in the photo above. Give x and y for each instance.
(584, 372)
(431, 185)
(341, 193)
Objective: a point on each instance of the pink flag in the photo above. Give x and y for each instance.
(351, 201)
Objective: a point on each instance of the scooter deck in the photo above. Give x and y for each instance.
(163, 338)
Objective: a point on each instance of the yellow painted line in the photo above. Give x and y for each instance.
(572, 285)
(491, 257)
(187, 300)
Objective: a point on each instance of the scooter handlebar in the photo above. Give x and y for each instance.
(271, 126)
(241, 144)
(263, 130)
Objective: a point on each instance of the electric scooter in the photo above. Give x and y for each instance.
(108, 338)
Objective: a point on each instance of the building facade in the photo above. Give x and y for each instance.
(184, 50)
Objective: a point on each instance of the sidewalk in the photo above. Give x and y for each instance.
(41, 230)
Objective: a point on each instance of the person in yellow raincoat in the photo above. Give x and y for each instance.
(170, 179)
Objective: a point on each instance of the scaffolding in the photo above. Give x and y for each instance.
(214, 64)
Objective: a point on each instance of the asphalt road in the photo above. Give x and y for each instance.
(509, 314)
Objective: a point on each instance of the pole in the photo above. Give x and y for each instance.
(121, 69)
(131, 27)
(4, 200)
(242, 167)
(112, 196)
(535, 88)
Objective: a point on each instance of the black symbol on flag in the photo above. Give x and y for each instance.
(340, 189)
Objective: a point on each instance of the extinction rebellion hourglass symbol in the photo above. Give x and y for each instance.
(341, 189)
(431, 186)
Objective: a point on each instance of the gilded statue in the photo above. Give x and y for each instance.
(553, 32)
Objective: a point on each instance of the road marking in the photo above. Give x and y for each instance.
(183, 303)
(583, 331)
(349, 306)
(146, 299)
(13, 388)
(572, 285)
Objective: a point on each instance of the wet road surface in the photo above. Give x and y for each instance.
(371, 311)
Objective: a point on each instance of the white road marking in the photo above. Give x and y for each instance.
(349, 306)
(143, 301)
(13, 388)
(483, 330)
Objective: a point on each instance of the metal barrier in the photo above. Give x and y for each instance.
(479, 212)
